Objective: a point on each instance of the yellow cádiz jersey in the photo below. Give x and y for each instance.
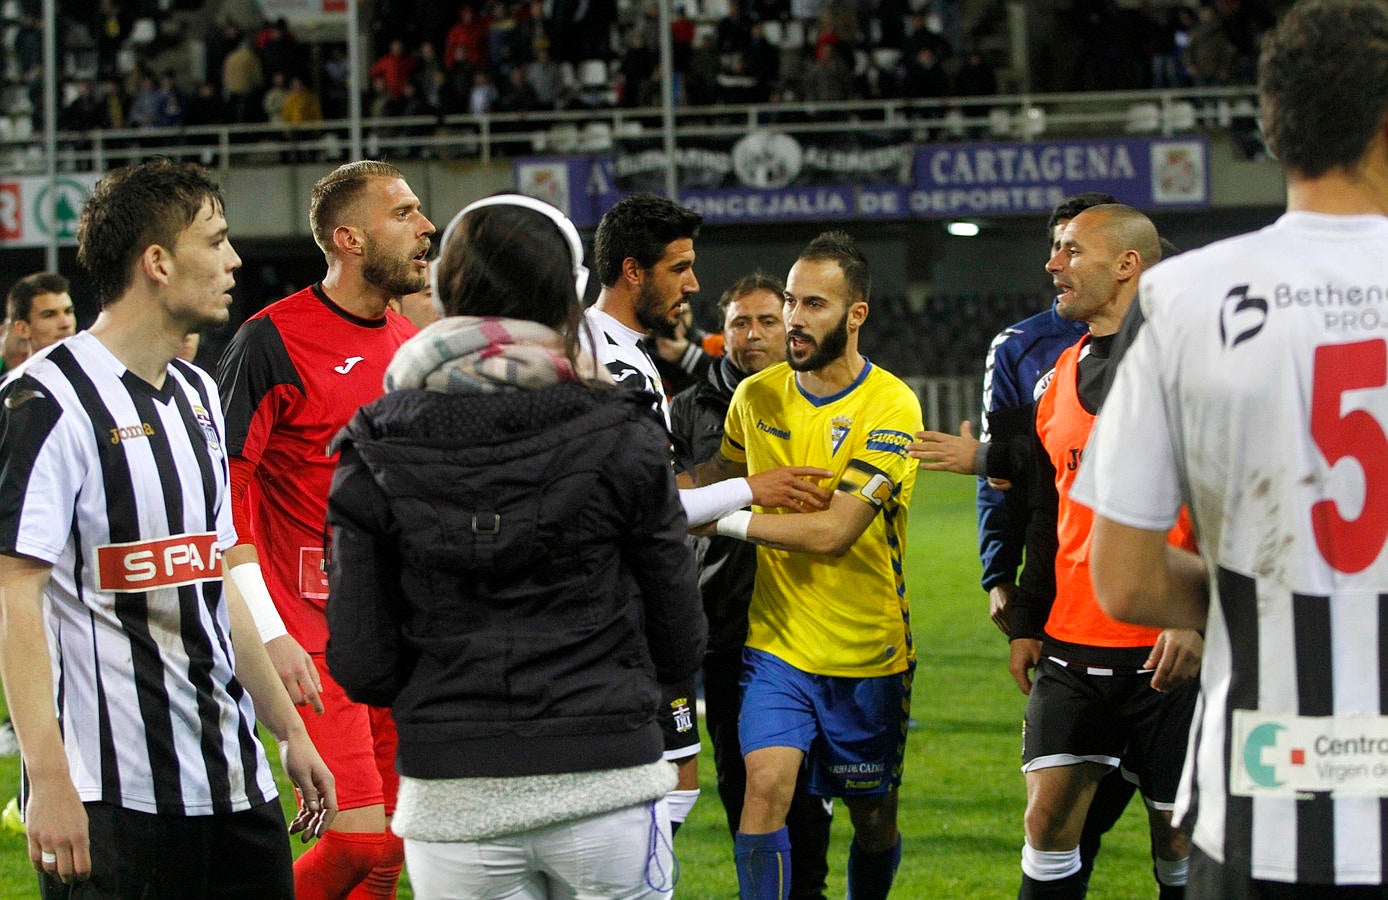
(846, 616)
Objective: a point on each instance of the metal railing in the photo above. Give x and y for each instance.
(486, 137)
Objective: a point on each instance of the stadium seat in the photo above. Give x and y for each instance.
(999, 122)
(1143, 118)
(773, 32)
(1179, 116)
(596, 137)
(793, 35)
(886, 58)
(714, 9)
(143, 32)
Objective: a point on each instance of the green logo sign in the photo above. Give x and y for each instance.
(1259, 739)
(57, 206)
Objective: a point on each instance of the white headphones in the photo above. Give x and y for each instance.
(549, 211)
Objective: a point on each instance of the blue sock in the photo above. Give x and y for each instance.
(763, 865)
(870, 875)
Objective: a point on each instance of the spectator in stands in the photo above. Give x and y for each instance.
(301, 111)
(734, 30)
(427, 62)
(110, 26)
(701, 82)
(85, 112)
(205, 108)
(469, 32)
(838, 29)
(440, 95)
(919, 34)
(144, 106)
(280, 50)
(171, 102)
(111, 94)
(28, 42)
(217, 43)
(735, 83)
(518, 96)
(976, 77)
(531, 33)
(827, 79)
(640, 68)
(242, 80)
(1210, 56)
(334, 84)
(682, 31)
(483, 95)
(546, 78)
(924, 77)
(275, 98)
(763, 64)
(396, 67)
(461, 69)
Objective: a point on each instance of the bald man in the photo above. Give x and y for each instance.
(1104, 693)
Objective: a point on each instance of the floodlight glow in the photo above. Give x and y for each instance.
(962, 229)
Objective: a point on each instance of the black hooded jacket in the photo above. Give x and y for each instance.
(508, 573)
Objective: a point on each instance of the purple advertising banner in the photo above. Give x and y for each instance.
(946, 181)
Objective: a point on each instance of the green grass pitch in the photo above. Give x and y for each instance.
(962, 797)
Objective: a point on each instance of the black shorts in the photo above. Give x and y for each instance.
(1073, 716)
(1211, 880)
(234, 856)
(679, 721)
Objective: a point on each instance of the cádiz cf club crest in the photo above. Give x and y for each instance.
(839, 427)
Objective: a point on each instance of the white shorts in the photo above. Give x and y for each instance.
(622, 855)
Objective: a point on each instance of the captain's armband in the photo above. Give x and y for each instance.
(868, 483)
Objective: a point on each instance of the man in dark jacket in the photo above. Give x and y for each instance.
(754, 334)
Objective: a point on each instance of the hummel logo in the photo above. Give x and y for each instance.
(347, 364)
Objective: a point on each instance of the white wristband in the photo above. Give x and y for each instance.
(713, 501)
(250, 581)
(734, 525)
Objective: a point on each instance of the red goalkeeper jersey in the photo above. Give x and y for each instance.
(291, 378)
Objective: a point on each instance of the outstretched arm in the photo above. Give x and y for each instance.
(273, 707)
(55, 818)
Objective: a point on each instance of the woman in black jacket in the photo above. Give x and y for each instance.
(508, 573)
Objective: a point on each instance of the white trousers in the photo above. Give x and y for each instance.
(621, 855)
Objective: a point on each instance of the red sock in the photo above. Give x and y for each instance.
(336, 864)
(384, 877)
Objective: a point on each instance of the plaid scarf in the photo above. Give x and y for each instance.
(475, 355)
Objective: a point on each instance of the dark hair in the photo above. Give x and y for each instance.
(333, 196)
(1074, 205)
(21, 299)
(511, 262)
(133, 208)
(747, 284)
(838, 247)
(1323, 84)
(639, 226)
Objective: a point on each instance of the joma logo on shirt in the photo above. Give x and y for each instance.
(169, 562)
(1073, 463)
(129, 432)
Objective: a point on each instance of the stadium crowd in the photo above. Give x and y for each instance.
(134, 65)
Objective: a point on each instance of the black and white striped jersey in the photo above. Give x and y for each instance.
(1258, 393)
(618, 349)
(122, 488)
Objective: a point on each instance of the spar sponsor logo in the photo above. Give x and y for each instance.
(168, 562)
(1290, 755)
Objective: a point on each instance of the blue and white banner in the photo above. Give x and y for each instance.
(942, 181)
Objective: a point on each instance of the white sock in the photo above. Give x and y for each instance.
(1172, 872)
(1049, 865)
(680, 803)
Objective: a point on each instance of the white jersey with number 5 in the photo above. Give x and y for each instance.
(1258, 393)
